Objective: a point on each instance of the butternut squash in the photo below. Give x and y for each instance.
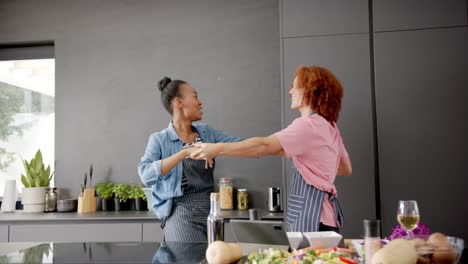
(398, 251)
(220, 252)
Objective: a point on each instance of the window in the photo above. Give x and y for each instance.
(27, 114)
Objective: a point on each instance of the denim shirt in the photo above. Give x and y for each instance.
(161, 145)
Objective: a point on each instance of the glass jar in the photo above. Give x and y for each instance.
(242, 199)
(225, 192)
(371, 239)
(50, 200)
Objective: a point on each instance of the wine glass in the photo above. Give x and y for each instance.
(408, 215)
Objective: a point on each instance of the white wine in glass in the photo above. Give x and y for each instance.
(408, 215)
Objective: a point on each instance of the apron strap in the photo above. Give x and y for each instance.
(338, 212)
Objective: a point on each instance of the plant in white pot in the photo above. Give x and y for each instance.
(35, 181)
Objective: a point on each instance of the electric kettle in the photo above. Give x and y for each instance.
(274, 200)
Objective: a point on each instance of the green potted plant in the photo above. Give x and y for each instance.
(35, 180)
(106, 192)
(121, 196)
(139, 197)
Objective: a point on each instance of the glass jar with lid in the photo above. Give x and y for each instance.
(226, 192)
(50, 200)
(242, 199)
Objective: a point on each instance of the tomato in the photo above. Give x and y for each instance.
(348, 260)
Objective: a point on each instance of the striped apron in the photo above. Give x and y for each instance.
(187, 221)
(180, 252)
(305, 205)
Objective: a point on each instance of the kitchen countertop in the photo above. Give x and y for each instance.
(146, 216)
(127, 252)
(169, 252)
(20, 216)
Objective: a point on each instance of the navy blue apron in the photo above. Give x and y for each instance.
(305, 206)
(187, 221)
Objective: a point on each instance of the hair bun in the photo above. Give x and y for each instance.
(163, 83)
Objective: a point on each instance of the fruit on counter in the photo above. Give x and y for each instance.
(438, 240)
(220, 252)
(437, 249)
(398, 251)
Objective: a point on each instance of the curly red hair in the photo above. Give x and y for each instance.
(323, 92)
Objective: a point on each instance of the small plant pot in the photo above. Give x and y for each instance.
(140, 205)
(33, 199)
(131, 204)
(117, 205)
(121, 206)
(126, 206)
(107, 204)
(98, 203)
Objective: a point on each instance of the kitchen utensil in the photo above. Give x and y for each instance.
(85, 179)
(87, 202)
(274, 199)
(91, 175)
(67, 205)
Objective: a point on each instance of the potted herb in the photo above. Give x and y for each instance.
(139, 197)
(106, 192)
(121, 196)
(35, 181)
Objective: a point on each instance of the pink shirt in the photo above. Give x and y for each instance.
(315, 147)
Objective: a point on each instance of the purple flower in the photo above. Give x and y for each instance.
(399, 232)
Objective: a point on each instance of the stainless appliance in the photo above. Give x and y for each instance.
(274, 200)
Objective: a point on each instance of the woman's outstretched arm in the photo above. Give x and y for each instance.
(249, 148)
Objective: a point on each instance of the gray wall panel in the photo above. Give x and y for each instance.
(318, 17)
(403, 14)
(421, 81)
(348, 58)
(110, 55)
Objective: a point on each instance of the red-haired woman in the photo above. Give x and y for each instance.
(314, 144)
